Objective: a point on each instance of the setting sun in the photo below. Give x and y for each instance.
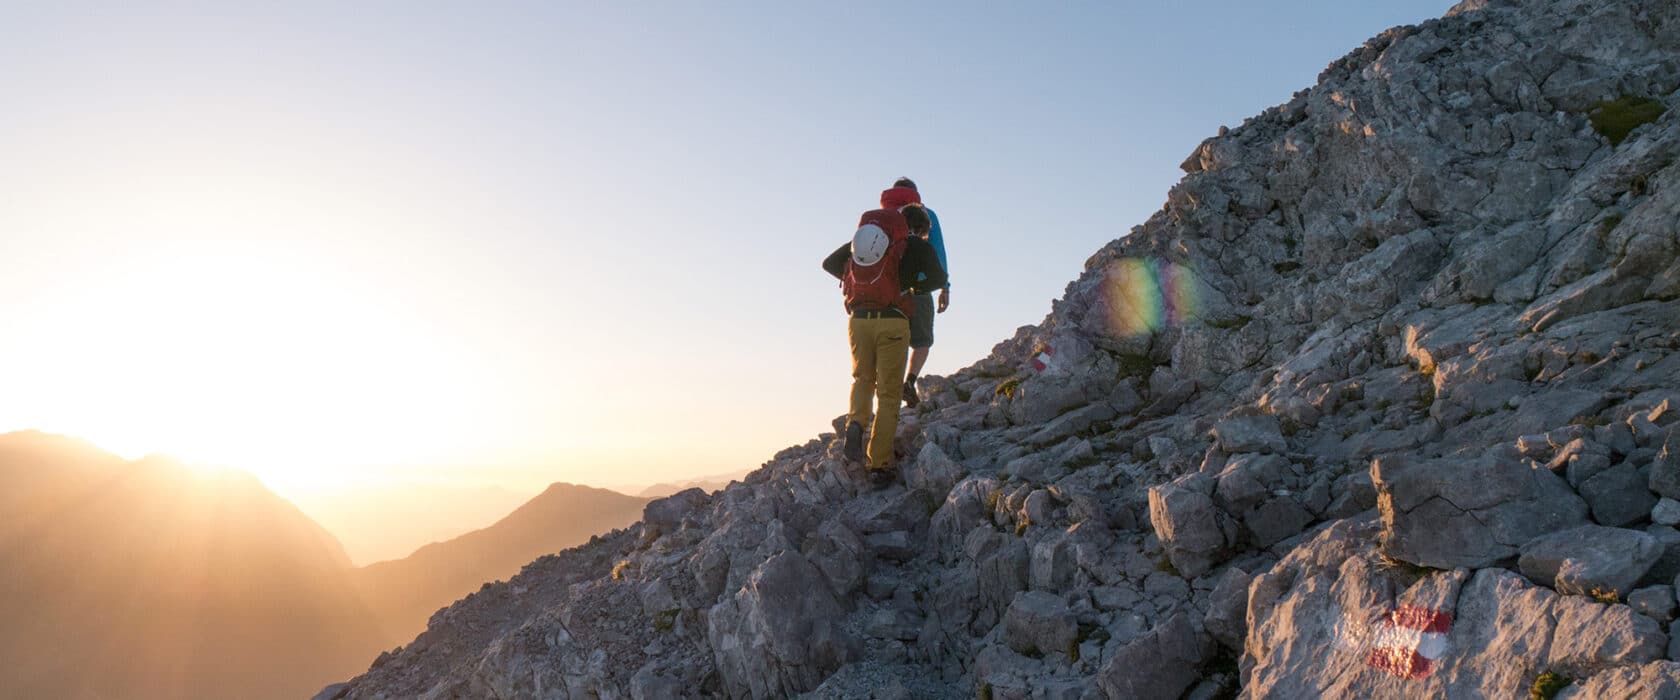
(261, 359)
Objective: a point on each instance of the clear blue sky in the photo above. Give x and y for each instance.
(562, 240)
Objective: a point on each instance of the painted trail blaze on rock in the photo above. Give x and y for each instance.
(1041, 361)
(1408, 641)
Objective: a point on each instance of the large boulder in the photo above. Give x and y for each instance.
(1453, 512)
(1194, 531)
(780, 634)
(1039, 623)
(1160, 664)
(666, 514)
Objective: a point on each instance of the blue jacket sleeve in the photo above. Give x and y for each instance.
(937, 238)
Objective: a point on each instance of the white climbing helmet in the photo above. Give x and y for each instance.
(869, 245)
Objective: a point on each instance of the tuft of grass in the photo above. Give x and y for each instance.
(1021, 528)
(1165, 564)
(1615, 119)
(983, 691)
(619, 569)
(1610, 597)
(665, 621)
(1547, 685)
(1073, 651)
(1237, 322)
(1009, 386)
(1590, 421)
(1285, 267)
(992, 497)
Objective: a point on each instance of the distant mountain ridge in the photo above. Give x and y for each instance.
(705, 483)
(390, 520)
(406, 591)
(152, 579)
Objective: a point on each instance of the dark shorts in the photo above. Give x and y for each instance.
(921, 325)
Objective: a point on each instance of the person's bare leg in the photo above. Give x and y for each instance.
(918, 357)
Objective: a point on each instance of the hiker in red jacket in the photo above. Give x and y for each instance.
(879, 270)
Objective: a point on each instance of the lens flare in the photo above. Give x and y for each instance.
(1145, 296)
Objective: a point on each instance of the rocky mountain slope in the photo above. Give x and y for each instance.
(1378, 405)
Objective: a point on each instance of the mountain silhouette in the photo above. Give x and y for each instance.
(153, 579)
(383, 521)
(405, 592)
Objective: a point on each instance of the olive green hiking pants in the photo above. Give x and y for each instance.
(879, 346)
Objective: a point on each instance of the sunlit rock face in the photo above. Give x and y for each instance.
(1294, 436)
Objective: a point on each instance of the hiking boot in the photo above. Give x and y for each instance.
(883, 477)
(854, 442)
(910, 397)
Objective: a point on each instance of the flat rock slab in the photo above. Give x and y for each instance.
(1590, 559)
(1448, 513)
(1250, 434)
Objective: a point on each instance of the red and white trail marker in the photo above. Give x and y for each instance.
(1042, 359)
(1408, 641)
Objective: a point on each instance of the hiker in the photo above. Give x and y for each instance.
(877, 271)
(903, 193)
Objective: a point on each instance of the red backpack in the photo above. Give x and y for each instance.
(871, 279)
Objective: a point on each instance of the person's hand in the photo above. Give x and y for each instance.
(944, 299)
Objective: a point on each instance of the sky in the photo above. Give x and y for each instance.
(513, 243)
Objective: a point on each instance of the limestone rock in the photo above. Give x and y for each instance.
(1655, 602)
(1590, 559)
(1456, 512)
(1039, 623)
(1227, 615)
(667, 514)
(1656, 680)
(1250, 434)
(1160, 664)
(1192, 529)
(778, 635)
(1618, 496)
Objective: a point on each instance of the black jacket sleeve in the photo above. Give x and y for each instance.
(835, 263)
(920, 259)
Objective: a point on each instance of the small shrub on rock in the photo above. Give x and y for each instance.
(1547, 686)
(1615, 119)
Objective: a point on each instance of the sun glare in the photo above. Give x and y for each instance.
(270, 363)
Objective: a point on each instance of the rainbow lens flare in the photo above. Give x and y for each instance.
(1146, 295)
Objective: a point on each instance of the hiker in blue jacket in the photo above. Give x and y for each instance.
(904, 193)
